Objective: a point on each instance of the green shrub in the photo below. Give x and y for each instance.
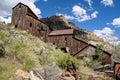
(17, 48)
(28, 63)
(7, 68)
(2, 49)
(88, 61)
(65, 60)
(4, 38)
(101, 55)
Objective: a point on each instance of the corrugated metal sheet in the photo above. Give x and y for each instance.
(62, 32)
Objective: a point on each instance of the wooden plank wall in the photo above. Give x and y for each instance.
(21, 20)
(73, 45)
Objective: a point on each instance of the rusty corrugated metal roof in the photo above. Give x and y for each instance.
(62, 32)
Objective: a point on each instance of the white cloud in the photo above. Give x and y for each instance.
(36, 10)
(107, 23)
(116, 22)
(6, 20)
(107, 2)
(79, 14)
(45, 0)
(94, 14)
(108, 35)
(78, 11)
(89, 3)
(7, 5)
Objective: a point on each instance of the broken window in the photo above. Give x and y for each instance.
(64, 50)
(30, 24)
(53, 43)
(16, 26)
(65, 39)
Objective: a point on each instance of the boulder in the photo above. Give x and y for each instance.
(23, 75)
(20, 74)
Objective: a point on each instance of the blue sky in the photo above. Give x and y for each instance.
(99, 16)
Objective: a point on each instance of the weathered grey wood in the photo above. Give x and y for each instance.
(32, 77)
(24, 18)
(40, 76)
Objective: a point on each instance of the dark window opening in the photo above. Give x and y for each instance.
(64, 49)
(16, 26)
(19, 6)
(30, 24)
(42, 28)
(53, 43)
(65, 39)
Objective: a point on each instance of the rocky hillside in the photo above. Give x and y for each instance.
(59, 22)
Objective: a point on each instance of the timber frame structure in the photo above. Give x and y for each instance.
(24, 18)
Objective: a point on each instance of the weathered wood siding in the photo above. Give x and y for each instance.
(88, 50)
(91, 51)
(36, 28)
(18, 15)
(59, 40)
(23, 18)
(77, 45)
(30, 13)
(73, 44)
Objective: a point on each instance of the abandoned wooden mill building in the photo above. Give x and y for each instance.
(23, 18)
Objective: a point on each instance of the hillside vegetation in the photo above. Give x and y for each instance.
(26, 52)
(22, 51)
